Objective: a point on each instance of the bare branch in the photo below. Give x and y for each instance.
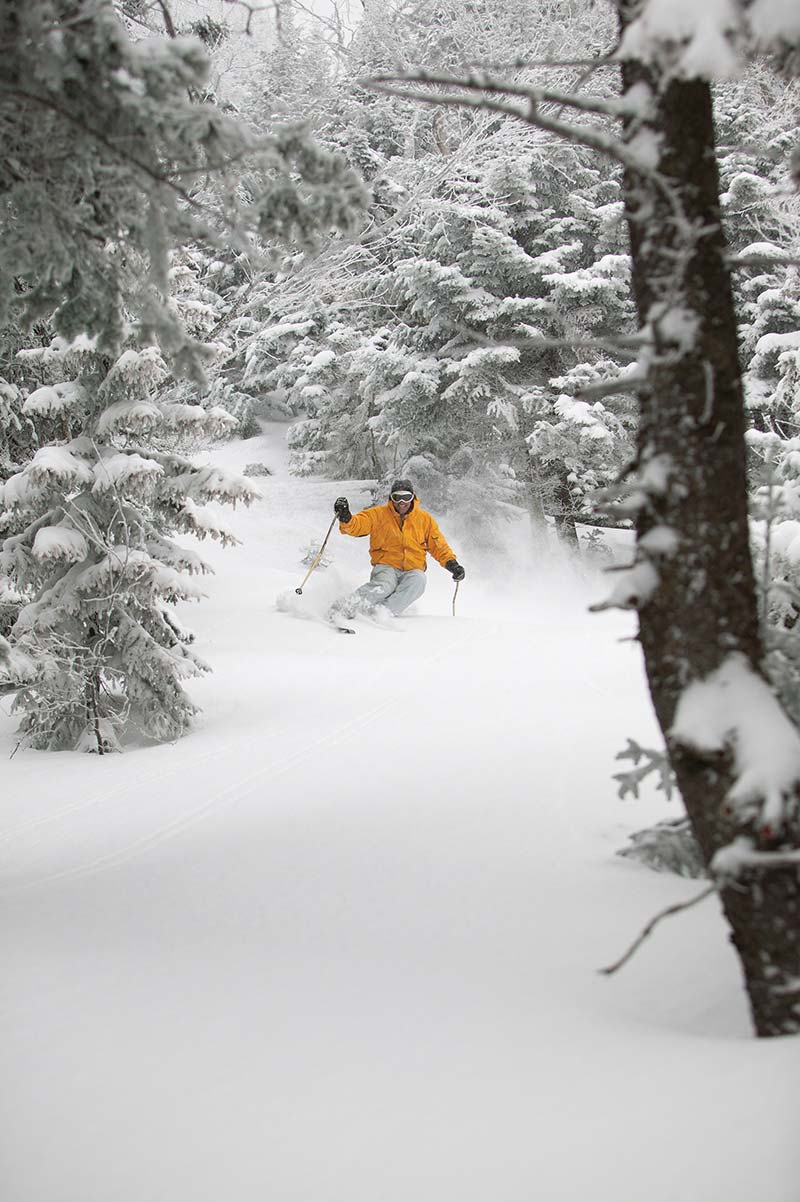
(592, 138)
(332, 24)
(169, 24)
(253, 10)
(530, 112)
(522, 64)
(648, 930)
(481, 81)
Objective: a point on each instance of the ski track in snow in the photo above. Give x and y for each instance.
(243, 788)
(339, 943)
(135, 786)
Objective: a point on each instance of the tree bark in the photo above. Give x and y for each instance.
(93, 712)
(564, 515)
(692, 426)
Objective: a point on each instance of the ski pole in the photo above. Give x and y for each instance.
(455, 594)
(318, 556)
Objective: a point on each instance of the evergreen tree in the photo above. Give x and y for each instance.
(104, 144)
(430, 344)
(95, 558)
(474, 327)
(110, 161)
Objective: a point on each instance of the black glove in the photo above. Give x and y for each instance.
(455, 569)
(341, 507)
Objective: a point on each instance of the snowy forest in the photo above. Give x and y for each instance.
(540, 258)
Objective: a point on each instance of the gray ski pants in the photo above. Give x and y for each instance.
(393, 587)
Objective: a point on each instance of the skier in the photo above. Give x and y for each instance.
(400, 536)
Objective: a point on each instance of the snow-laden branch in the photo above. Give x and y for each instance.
(523, 64)
(528, 111)
(481, 81)
(628, 345)
(734, 710)
(121, 153)
(632, 589)
(742, 854)
(636, 583)
(736, 262)
(16, 668)
(691, 40)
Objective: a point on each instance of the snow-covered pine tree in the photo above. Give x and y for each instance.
(470, 367)
(337, 437)
(15, 431)
(757, 124)
(292, 81)
(464, 301)
(756, 121)
(20, 436)
(110, 161)
(576, 416)
(375, 347)
(95, 557)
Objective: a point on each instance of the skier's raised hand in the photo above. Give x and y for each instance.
(341, 507)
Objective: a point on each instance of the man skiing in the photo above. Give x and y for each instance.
(401, 534)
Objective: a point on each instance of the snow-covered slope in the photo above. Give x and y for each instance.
(340, 944)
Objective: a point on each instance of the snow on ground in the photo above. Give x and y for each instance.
(340, 943)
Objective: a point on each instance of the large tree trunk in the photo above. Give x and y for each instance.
(692, 414)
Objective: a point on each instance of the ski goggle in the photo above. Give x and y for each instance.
(402, 496)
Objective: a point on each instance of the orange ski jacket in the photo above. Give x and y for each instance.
(400, 542)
